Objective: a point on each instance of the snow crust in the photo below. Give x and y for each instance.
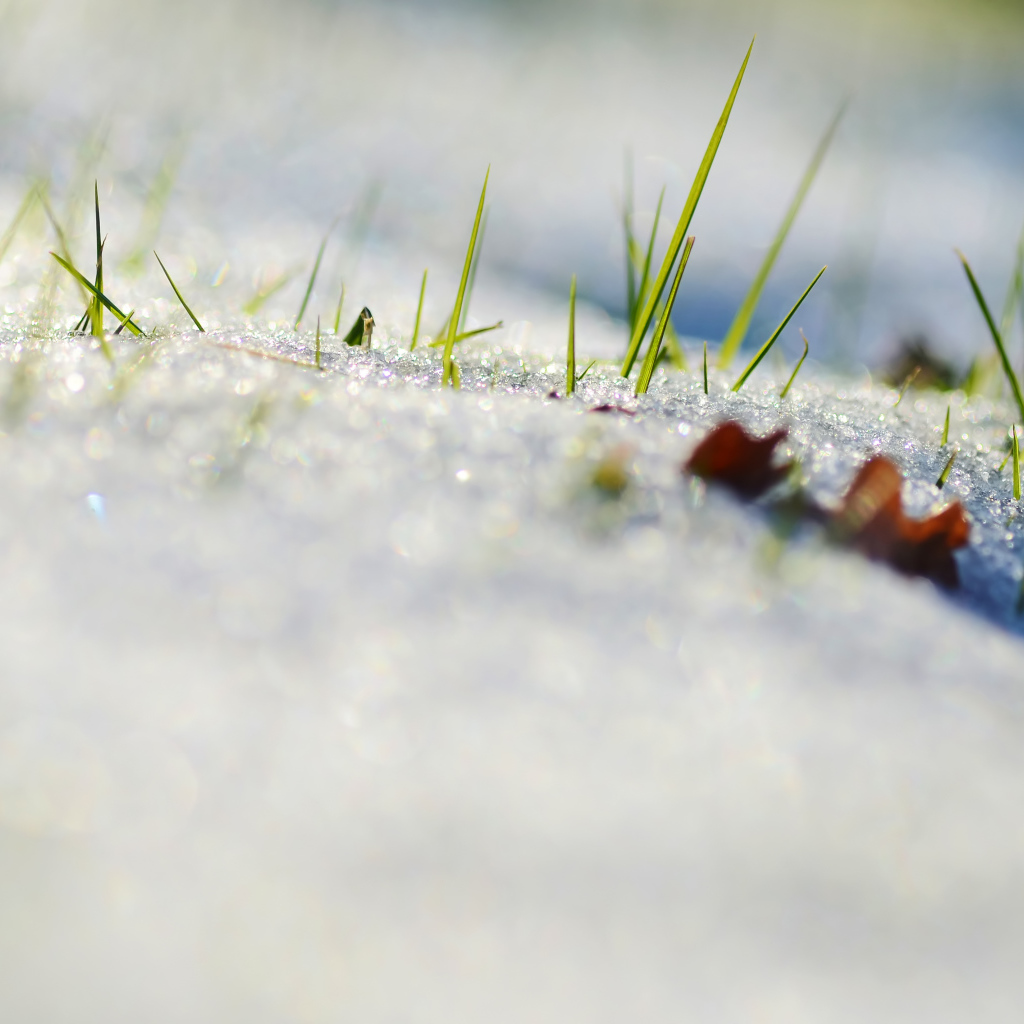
(333, 696)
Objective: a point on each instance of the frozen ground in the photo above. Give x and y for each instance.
(336, 696)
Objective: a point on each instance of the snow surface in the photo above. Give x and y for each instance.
(338, 696)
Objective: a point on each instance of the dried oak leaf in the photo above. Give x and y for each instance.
(732, 457)
(872, 521)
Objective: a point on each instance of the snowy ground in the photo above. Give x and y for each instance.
(334, 696)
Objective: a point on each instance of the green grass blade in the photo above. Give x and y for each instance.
(1016, 465)
(312, 277)
(155, 206)
(705, 367)
(472, 272)
(644, 319)
(419, 312)
(469, 334)
(911, 377)
(996, 336)
(586, 370)
(97, 306)
(737, 332)
(453, 320)
(181, 298)
(256, 303)
(645, 271)
(30, 199)
(946, 470)
(1013, 291)
(337, 312)
(796, 369)
(570, 352)
(945, 429)
(763, 350)
(62, 244)
(647, 371)
(124, 320)
(133, 327)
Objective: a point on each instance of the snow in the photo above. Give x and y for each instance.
(336, 695)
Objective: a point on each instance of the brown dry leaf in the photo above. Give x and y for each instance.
(732, 457)
(872, 521)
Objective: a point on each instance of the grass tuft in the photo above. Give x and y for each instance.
(69, 267)
(644, 319)
(796, 369)
(453, 321)
(997, 338)
(181, 298)
(419, 312)
(570, 353)
(651, 359)
(763, 350)
(737, 332)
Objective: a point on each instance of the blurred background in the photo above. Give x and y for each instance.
(235, 132)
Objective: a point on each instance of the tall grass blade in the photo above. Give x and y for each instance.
(796, 369)
(181, 298)
(651, 359)
(1013, 291)
(644, 319)
(763, 350)
(419, 312)
(645, 270)
(737, 332)
(453, 320)
(30, 199)
(131, 325)
(155, 206)
(911, 377)
(945, 429)
(97, 306)
(996, 336)
(570, 352)
(312, 277)
(472, 273)
(705, 367)
(337, 312)
(1016, 465)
